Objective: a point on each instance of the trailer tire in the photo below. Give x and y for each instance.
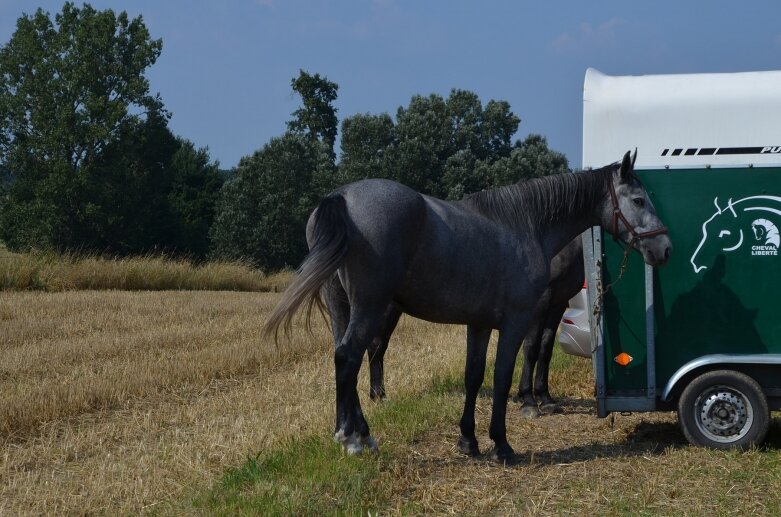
(724, 409)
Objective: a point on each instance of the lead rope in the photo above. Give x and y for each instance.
(596, 310)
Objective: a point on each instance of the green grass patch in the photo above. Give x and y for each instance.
(445, 383)
(308, 476)
(311, 475)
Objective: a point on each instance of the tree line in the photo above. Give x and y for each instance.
(88, 163)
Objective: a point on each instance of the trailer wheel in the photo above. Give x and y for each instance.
(724, 409)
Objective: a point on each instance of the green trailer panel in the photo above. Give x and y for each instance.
(719, 293)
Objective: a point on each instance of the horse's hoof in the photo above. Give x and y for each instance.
(468, 446)
(502, 453)
(548, 409)
(353, 448)
(370, 444)
(378, 394)
(530, 412)
(353, 444)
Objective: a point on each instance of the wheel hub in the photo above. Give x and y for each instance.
(723, 415)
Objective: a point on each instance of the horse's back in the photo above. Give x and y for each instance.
(384, 219)
(377, 206)
(441, 261)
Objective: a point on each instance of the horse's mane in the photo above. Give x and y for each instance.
(541, 201)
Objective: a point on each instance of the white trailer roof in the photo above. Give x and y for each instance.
(686, 120)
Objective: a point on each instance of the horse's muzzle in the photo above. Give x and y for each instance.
(656, 250)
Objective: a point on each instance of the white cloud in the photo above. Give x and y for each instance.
(588, 36)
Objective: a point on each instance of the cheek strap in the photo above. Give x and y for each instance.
(617, 214)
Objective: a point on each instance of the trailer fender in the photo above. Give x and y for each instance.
(713, 360)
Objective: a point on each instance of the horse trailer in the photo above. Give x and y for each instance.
(701, 335)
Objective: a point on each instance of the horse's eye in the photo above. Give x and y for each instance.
(639, 202)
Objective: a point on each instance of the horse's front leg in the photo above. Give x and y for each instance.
(510, 338)
(476, 348)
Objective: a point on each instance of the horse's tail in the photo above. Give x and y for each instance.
(330, 237)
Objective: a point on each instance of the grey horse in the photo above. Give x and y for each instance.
(484, 266)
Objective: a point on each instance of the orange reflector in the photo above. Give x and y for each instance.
(623, 359)
(568, 322)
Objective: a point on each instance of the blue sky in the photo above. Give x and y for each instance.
(226, 66)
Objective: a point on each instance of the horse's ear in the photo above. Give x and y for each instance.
(634, 158)
(626, 167)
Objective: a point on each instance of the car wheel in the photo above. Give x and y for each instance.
(724, 409)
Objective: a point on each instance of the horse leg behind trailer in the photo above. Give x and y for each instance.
(566, 280)
(446, 263)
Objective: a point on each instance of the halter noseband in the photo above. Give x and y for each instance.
(617, 214)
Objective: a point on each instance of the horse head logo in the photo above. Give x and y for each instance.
(766, 232)
(724, 230)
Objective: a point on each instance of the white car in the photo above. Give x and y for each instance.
(574, 330)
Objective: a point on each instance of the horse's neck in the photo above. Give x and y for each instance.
(561, 228)
(554, 210)
(555, 237)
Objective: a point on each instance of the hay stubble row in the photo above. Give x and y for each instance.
(118, 401)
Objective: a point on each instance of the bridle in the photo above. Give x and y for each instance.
(636, 236)
(618, 215)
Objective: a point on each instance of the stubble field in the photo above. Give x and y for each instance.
(172, 402)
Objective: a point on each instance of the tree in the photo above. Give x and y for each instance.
(317, 117)
(368, 148)
(262, 211)
(263, 208)
(443, 147)
(119, 203)
(70, 90)
(498, 127)
(530, 158)
(195, 188)
(425, 138)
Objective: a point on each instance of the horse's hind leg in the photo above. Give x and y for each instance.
(547, 403)
(376, 351)
(339, 310)
(531, 352)
(338, 307)
(476, 347)
(352, 430)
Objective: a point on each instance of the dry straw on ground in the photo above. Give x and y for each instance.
(122, 402)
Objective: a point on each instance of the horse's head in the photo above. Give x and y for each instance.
(630, 216)
(722, 232)
(759, 231)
